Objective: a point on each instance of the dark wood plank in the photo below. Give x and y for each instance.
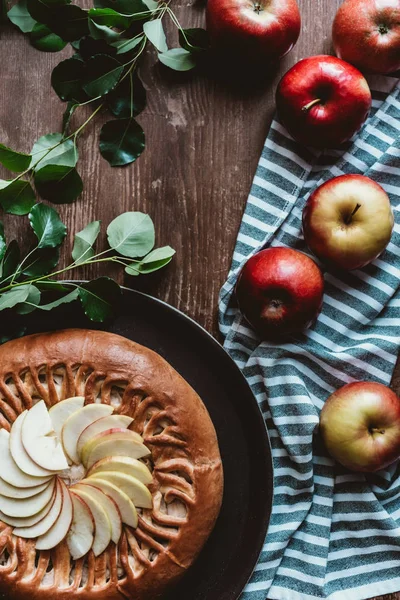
(204, 137)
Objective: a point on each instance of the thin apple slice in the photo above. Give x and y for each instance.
(10, 472)
(114, 445)
(27, 507)
(59, 530)
(20, 455)
(27, 521)
(77, 422)
(102, 535)
(15, 492)
(117, 432)
(103, 424)
(40, 441)
(61, 411)
(45, 524)
(124, 503)
(132, 487)
(109, 506)
(123, 464)
(81, 533)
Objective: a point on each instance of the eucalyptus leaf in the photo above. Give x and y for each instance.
(102, 75)
(50, 285)
(14, 296)
(151, 4)
(74, 295)
(17, 197)
(42, 38)
(71, 22)
(109, 17)
(31, 301)
(124, 45)
(131, 234)
(83, 243)
(99, 297)
(3, 244)
(177, 59)
(102, 32)
(10, 260)
(44, 11)
(41, 262)
(58, 183)
(121, 141)
(89, 47)
(128, 98)
(194, 40)
(14, 161)
(135, 8)
(155, 260)
(51, 150)
(67, 78)
(20, 17)
(47, 225)
(154, 32)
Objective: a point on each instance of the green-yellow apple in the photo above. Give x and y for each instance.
(360, 425)
(348, 221)
(279, 291)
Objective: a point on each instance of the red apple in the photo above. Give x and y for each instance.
(260, 30)
(279, 291)
(323, 101)
(360, 425)
(366, 33)
(348, 221)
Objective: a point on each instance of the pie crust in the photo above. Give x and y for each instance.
(187, 470)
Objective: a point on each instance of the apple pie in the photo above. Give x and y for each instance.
(111, 478)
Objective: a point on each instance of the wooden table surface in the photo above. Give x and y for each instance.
(203, 140)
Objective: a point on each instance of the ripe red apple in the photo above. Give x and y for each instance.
(260, 30)
(348, 221)
(323, 101)
(279, 291)
(366, 33)
(360, 425)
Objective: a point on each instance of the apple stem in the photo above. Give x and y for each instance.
(349, 218)
(257, 7)
(376, 430)
(307, 107)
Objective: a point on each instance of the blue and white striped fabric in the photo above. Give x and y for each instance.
(333, 534)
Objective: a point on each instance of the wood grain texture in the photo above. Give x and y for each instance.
(204, 136)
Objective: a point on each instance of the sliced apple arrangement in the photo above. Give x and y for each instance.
(39, 454)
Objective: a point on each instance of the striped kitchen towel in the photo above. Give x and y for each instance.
(333, 533)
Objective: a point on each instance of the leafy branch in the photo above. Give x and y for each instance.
(108, 41)
(25, 283)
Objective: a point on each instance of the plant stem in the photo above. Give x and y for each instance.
(307, 107)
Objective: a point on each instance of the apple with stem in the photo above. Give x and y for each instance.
(253, 30)
(360, 425)
(279, 291)
(323, 101)
(348, 221)
(366, 33)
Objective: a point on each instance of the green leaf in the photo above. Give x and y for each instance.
(128, 98)
(10, 260)
(151, 4)
(63, 300)
(47, 225)
(44, 11)
(121, 141)
(178, 59)
(124, 45)
(109, 17)
(41, 262)
(14, 332)
(131, 234)
(134, 8)
(51, 150)
(3, 244)
(17, 197)
(194, 40)
(89, 47)
(14, 296)
(14, 161)
(42, 38)
(20, 16)
(67, 78)
(98, 298)
(31, 302)
(59, 184)
(69, 111)
(83, 243)
(154, 32)
(70, 22)
(155, 260)
(102, 32)
(102, 75)
(50, 285)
